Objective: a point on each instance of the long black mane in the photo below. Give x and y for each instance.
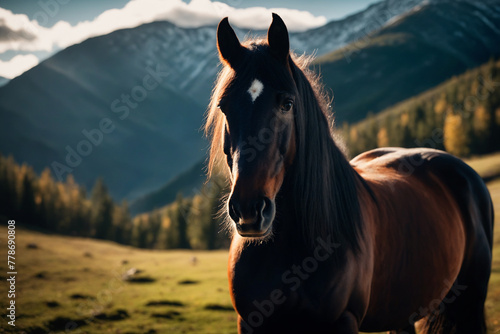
(325, 197)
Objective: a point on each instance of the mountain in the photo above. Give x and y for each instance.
(414, 52)
(47, 113)
(461, 115)
(337, 34)
(148, 131)
(3, 81)
(188, 183)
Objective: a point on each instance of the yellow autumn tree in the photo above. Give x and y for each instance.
(353, 135)
(404, 119)
(482, 120)
(455, 138)
(382, 138)
(441, 105)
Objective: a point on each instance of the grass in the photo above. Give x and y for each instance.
(88, 282)
(493, 302)
(102, 287)
(487, 166)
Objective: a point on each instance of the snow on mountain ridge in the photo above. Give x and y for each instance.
(190, 54)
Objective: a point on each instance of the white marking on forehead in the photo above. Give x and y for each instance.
(255, 89)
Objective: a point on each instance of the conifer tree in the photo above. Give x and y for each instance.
(27, 203)
(122, 223)
(102, 210)
(183, 207)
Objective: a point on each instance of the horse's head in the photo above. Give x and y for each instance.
(257, 132)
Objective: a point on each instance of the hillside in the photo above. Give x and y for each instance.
(3, 81)
(171, 291)
(337, 34)
(461, 115)
(91, 284)
(187, 183)
(155, 133)
(66, 208)
(411, 54)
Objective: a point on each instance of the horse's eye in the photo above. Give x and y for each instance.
(220, 103)
(287, 106)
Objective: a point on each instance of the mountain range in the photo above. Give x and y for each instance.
(128, 106)
(413, 52)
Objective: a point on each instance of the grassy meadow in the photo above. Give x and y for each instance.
(67, 282)
(100, 287)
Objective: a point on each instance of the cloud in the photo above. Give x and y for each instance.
(19, 33)
(205, 12)
(17, 65)
(14, 27)
(7, 34)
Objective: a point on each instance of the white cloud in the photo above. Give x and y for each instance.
(19, 33)
(136, 12)
(17, 65)
(205, 12)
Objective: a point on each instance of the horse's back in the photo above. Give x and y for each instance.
(434, 227)
(463, 183)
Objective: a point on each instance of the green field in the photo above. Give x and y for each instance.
(69, 279)
(67, 282)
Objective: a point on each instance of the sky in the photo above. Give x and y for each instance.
(33, 30)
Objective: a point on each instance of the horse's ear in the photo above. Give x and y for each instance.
(230, 49)
(277, 37)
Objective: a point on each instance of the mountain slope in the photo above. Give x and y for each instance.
(156, 130)
(415, 52)
(3, 81)
(337, 34)
(460, 115)
(188, 183)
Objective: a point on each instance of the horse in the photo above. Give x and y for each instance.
(393, 238)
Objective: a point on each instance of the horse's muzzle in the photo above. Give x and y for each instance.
(254, 218)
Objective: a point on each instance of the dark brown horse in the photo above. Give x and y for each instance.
(324, 245)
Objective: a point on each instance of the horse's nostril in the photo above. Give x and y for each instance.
(268, 209)
(260, 205)
(234, 211)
